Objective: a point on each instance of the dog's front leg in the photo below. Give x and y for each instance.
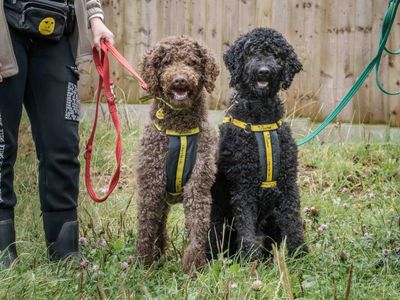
(197, 206)
(152, 235)
(151, 203)
(288, 210)
(289, 221)
(245, 214)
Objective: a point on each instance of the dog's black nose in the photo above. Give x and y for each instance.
(263, 72)
(179, 81)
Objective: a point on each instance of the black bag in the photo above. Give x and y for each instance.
(45, 19)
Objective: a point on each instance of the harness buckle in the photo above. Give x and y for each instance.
(247, 129)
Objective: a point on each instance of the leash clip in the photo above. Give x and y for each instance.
(112, 88)
(112, 91)
(111, 97)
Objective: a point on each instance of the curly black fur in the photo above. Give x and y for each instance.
(261, 63)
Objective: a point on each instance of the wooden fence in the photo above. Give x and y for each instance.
(334, 40)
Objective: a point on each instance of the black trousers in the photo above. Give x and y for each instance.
(47, 86)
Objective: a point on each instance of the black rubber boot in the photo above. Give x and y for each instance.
(7, 242)
(67, 244)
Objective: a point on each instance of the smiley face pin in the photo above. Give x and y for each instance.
(47, 26)
(160, 114)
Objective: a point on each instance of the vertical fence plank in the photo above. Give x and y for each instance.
(214, 43)
(189, 17)
(247, 12)
(362, 54)
(295, 36)
(229, 35)
(116, 15)
(379, 102)
(264, 13)
(132, 39)
(199, 17)
(329, 57)
(280, 15)
(176, 18)
(308, 102)
(394, 79)
(344, 55)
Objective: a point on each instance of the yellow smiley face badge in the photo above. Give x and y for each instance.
(47, 26)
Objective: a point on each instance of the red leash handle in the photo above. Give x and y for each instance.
(103, 68)
(125, 64)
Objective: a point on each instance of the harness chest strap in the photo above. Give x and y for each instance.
(268, 148)
(177, 133)
(181, 158)
(251, 127)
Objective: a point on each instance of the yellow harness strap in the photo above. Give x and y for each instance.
(177, 133)
(265, 131)
(251, 127)
(181, 165)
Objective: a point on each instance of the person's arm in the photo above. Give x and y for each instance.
(1, 77)
(96, 17)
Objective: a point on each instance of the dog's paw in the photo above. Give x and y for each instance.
(251, 251)
(193, 259)
(145, 254)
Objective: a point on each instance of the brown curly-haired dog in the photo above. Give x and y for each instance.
(177, 69)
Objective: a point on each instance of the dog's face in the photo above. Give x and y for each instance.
(262, 62)
(261, 71)
(177, 69)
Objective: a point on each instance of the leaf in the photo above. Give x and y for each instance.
(216, 268)
(234, 268)
(118, 245)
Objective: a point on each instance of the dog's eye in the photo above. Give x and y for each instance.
(192, 61)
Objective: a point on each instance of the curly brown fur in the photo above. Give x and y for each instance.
(177, 69)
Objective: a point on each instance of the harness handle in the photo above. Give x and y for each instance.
(102, 63)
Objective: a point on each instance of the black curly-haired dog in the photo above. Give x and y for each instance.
(255, 191)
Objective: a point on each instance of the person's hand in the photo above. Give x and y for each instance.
(1, 77)
(100, 31)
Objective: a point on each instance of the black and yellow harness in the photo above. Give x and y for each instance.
(268, 148)
(181, 158)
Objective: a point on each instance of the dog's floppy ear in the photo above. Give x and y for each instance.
(292, 67)
(234, 61)
(150, 65)
(211, 69)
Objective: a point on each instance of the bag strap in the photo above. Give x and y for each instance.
(103, 68)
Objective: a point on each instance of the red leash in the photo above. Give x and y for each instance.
(103, 68)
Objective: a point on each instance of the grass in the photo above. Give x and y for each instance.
(354, 190)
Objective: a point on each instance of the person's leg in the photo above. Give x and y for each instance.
(11, 100)
(53, 109)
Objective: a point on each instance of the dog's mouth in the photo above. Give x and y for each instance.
(179, 91)
(180, 94)
(262, 84)
(180, 97)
